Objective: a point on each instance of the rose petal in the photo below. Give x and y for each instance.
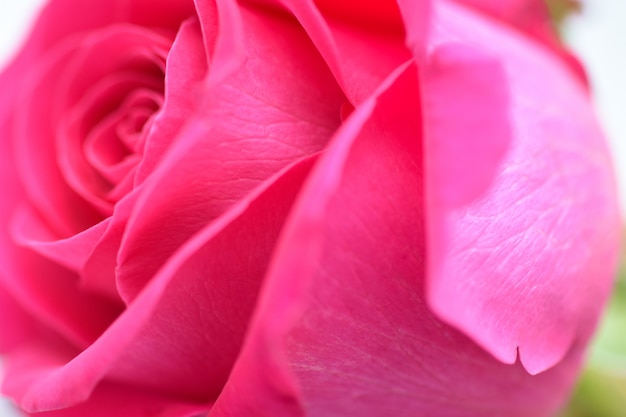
(65, 211)
(51, 90)
(255, 121)
(75, 151)
(16, 326)
(49, 292)
(417, 16)
(466, 123)
(532, 17)
(383, 13)
(111, 399)
(27, 276)
(115, 145)
(28, 229)
(58, 21)
(525, 269)
(98, 274)
(154, 343)
(359, 58)
(185, 68)
(56, 24)
(353, 335)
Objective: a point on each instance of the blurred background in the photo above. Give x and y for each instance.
(598, 35)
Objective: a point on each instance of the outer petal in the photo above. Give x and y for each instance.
(527, 266)
(66, 212)
(157, 345)
(342, 327)
(517, 12)
(124, 401)
(57, 303)
(16, 326)
(466, 123)
(531, 17)
(62, 18)
(186, 68)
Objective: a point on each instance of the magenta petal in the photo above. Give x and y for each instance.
(16, 326)
(359, 58)
(111, 399)
(29, 230)
(364, 58)
(114, 146)
(382, 13)
(254, 122)
(154, 343)
(46, 290)
(526, 267)
(58, 20)
(50, 293)
(186, 67)
(342, 326)
(74, 153)
(99, 270)
(35, 149)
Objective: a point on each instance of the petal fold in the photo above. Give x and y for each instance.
(342, 326)
(466, 123)
(253, 123)
(524, 269)
(154, 344)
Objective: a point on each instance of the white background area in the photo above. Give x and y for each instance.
(598, 35)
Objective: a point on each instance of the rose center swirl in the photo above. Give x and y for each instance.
(109, 104)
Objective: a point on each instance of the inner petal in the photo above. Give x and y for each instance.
(104, 103)
(114, 145)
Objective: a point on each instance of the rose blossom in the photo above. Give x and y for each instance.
(298, 208)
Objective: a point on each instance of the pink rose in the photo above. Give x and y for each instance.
(292, 208)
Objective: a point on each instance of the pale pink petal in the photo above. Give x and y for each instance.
(532, 18)
(525, 268)
(466, 123)
(342, 326)
(254, 122)
(512, 11)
